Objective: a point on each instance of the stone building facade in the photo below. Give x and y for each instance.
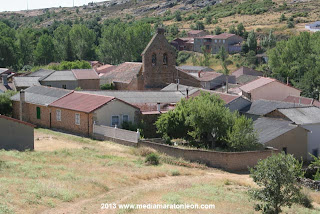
(159, 66)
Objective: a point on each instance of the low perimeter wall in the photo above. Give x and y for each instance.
(230, 161)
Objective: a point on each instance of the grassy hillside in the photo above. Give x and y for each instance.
(69, 174)
(260, 15)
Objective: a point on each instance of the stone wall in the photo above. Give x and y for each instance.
(230, 161)
(89, 84)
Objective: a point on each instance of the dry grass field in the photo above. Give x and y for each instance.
(70, 174)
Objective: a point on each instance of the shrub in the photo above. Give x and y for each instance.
(305, 200)
(175, 173)
(145, 151)
(128, 125)
(152, 159)
(107, 86)
(290, 24)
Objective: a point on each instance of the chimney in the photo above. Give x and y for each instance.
(178, 82)
(5, 79)
(158, 107)
(160, 31)
(199, 74)
(187, 92)
(22, 101)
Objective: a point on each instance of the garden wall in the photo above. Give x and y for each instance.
(230, 161)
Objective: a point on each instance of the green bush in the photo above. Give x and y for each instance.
(128, 125)
(183, 57)
(108, 86)
(152, 159)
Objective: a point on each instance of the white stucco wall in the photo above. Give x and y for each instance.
(102, 116)
(313, 138)
(274, 91)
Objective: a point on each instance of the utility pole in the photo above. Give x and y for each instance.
(73, 3)
(27, 5)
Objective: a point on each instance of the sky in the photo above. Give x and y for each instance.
(16, 5)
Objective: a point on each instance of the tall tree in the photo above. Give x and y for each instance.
(252, 41)
(82, 42)
(62, 43)
(225, 62)
(8, 48)
(27, 42)
(44, 53)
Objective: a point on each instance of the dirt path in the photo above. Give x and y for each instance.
(123, 195)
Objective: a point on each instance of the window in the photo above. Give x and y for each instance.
(215, 41)
(315, 152)
(165, 59)
(154, 59)
(219, 41)
(115, 121)
(284, 149)
(125, 118)
(38, 113)
(77, 119)
(58, 115)
(224, 41)
(207, 47)
(64, 86)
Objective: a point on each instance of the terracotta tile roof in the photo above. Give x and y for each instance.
(227, 98)
(124, 72)
(302, 100)
(105, 69)
(246, 71)
(206, 76)
(81, 102)
(262, 81)
(85, 74)
(17, 121)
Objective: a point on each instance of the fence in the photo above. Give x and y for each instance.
(122, 136)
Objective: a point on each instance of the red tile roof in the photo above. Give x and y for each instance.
(83, 74)
(302, 100)
(262, 81)
(124, 72)
(105, 69)
(227, 98)
(256, 84)
(17, 121)
(82, 102)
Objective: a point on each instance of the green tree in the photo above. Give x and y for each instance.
(277, 178)
(241, 30)
(82, 42)
(26, 42)
(298, 59)
(204, 121)
(5, 103)
(282, 18)
(62, 43)
(223, 56)
(232, 29)
(177, 15)
(8, 48)
(44, 51)
(218, 30)
(252, 41)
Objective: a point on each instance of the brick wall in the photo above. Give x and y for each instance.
(30, 114)
(68, 121)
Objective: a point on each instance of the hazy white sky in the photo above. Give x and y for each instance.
(15, 5)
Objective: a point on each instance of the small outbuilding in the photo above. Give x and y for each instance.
(16, 134)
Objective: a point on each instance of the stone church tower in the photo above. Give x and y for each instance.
(158, 64)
